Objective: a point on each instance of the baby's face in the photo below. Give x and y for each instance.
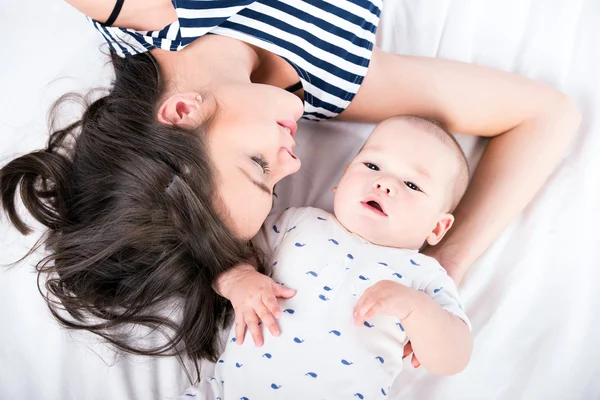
(397, 189)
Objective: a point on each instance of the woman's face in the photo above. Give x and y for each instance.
(251, 146)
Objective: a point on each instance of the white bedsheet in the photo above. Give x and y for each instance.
(532, 298)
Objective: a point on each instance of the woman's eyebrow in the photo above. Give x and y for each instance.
(258, 184)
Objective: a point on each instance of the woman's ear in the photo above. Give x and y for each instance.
(182, 109)
(442, 225)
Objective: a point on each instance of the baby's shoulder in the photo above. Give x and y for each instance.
(427, 262)
(313, 212)
(417, 265)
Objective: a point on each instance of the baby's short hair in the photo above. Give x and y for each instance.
(436, 128)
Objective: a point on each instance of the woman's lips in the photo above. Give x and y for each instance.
(291, 125)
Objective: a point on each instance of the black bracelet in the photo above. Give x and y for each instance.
(115, 13)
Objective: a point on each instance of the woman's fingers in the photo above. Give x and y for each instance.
(407, 350)
(415, 361)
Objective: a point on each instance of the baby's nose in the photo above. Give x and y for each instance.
(385, 186)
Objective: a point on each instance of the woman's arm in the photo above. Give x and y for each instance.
(141, 15)
(530, 125)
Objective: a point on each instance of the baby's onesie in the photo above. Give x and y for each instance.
(321, 353)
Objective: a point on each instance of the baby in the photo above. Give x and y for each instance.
(362, 288)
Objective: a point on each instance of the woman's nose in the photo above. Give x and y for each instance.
(288, 163)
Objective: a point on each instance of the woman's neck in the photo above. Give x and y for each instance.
(208, 61)
(212, 59)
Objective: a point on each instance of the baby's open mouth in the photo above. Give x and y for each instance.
(375, 206)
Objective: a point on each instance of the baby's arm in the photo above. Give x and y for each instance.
(252, 294)
(441, 340)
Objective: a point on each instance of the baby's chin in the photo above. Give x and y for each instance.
(369, 232)
(377, 235)
(378, 239)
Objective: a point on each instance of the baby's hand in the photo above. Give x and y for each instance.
(254, 299)
(387, 298)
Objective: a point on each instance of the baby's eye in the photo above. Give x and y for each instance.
(412, 186)
(262, 163)
(371, 166)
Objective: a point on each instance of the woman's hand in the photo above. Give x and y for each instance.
(254, 299)
(407, 352)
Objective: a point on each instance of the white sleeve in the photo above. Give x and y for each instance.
(275, 227)
(209, 388)
(441, 288)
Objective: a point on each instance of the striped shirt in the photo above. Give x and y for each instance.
(328, 42)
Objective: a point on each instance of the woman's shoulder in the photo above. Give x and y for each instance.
(137, 15)
(143, 25)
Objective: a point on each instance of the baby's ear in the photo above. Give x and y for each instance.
(442, 225)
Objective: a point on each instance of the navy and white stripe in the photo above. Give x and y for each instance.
(328, 42)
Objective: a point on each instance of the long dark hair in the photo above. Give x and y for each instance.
(133, 228)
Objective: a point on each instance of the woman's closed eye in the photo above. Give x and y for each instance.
(262, 163)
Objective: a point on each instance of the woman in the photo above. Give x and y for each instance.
(174, 171)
